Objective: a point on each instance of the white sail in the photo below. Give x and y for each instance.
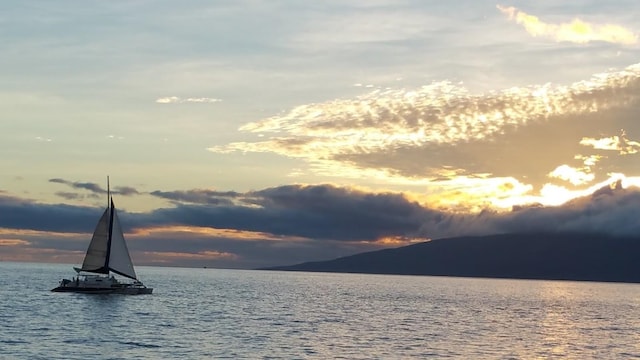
(96, 256)
(119, 259)
(108, 250)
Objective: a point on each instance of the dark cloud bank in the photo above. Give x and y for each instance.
(305, 223)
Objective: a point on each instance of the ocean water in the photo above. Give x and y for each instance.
(235, 314)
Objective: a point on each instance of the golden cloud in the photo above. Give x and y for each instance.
(396, 241)
(576, 31)
(470, 150)
(13, 242)
(572, 175)
(168, 257)
(615, 143)
(27, 254)
(330, 134)
(441, 113)
(11, 234)
(197, 231)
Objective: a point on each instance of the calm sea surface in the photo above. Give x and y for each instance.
(232, 314)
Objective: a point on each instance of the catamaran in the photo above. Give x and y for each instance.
(107, 254)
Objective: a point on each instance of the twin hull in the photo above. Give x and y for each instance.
(95, 284)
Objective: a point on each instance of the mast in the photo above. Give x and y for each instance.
(109, 237)
(99, 254)
(110, 228)
(108, 192)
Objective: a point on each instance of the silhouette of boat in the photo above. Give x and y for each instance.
(107, 255)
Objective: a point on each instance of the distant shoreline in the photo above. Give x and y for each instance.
(534, 256)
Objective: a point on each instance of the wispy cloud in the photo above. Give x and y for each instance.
(173, 257)
(616, 143)
(439, 113)
(439, 134)
(92, 188)
(576, 31)
(198, 196)
(69, 195)
(178, 100)
(13, 242)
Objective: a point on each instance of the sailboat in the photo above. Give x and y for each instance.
(107, 255)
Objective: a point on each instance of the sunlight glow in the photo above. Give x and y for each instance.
(554, 195)
(572, 175)
(397, 241)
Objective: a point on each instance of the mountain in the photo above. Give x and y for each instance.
(553, 256)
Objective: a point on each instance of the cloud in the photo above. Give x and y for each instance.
(244, 249)
(198, 196)
(616, 143)
(29, 215)
(576, 31)
(257, 235)
(93, 188)
(441, 113)
(69, 195)
(172, 257)
(609, 210)
(448, 138)
(296, 213)
(573, 175)
(314, 212)
(178, 100)
(182, 231)
(310, 212)
(297, 223)
(125, 190)
(13, 242)
(30, 254)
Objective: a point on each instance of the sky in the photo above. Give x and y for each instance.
(246, 134)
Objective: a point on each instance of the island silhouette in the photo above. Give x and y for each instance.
(552, 256)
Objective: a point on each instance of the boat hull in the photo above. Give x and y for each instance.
(98, 284)
(121, 290)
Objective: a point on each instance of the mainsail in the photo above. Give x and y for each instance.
(119, 259)
(108, 249)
